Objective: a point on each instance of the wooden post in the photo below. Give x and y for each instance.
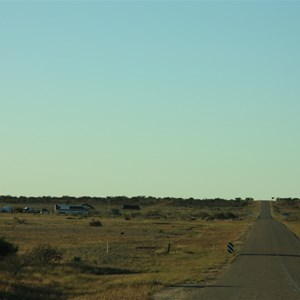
(169, 248)
(107, 249)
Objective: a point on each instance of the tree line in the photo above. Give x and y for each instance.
(121, 200)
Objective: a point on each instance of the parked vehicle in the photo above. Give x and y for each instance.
(7, 209)
(71, 209)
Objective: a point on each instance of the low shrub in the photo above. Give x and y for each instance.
(76, 259)
(115, 212)
(7, 248)
(95, 223)
(155, 213)
(20, 221)
(45, 254)
(225, 215)
(203, 215)
(230, 215)
(41, 256)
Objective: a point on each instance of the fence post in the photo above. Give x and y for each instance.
(169, 248)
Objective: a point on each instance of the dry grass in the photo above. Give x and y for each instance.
(137, 262)
(288, 213)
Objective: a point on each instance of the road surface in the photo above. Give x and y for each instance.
(267, 268)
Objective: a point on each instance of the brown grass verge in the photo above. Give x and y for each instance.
(122, 259)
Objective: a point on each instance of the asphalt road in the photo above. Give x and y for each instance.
(267, 268)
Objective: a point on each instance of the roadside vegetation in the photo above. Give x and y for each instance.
(119, 252)
(287, 211)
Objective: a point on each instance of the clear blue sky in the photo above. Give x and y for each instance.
(164, 98)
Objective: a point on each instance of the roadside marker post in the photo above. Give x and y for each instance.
(230, 248)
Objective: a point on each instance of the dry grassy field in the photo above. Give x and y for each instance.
(132, 255)
(288, 212)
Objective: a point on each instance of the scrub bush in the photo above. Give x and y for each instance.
(7, 248)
